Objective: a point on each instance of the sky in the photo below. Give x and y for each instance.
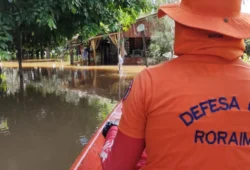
(246, 7)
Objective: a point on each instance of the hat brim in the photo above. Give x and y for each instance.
(237, 27)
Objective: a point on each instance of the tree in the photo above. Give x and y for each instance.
(162, 40)
(161, 47)
(247, 42)
(37, 24)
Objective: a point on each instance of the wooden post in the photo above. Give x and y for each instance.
(47, 53)
(32, 54)
(88, 49)
(76, 54)
(71, 56)
(144, 47)
(118, 49)
(42, 54)
(37, 54)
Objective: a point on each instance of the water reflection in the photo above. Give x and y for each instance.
(4, 129)
(68, 83)
(46, 125)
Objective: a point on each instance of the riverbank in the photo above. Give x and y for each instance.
(128, 70)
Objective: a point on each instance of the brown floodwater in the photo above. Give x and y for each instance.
(46, 119)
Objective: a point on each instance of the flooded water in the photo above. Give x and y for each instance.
(47, 119)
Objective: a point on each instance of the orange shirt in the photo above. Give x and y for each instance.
(194, 113)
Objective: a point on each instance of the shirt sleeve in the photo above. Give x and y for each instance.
(135, 103)
(122, 152)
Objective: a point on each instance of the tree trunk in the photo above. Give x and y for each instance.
(144, 48)
(88, 56)
(42, 54)
(37, 54)
(32, 54)
(77, 55)
(48, 53)
(118, 50)
(19, 54)
(71, 56)
(29, 54)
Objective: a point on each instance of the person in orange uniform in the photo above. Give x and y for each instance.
(193, 112)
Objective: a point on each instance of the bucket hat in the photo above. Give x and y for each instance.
(221, 16)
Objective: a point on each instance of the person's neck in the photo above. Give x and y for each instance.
(191, 41)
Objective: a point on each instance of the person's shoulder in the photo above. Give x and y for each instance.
(162, 67)
(245, 64)
(244, 67)
(151, 73)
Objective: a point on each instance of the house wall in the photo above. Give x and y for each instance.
(133, 45)
(107, 53)
(149, 25)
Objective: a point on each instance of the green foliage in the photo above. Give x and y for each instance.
(5, 36)
(115, 15)
(245, 58)
(247, 42)
(5, 56)
(162, 2)
(50, 23)
(106, 108)
(105, 27)
(3, 83)
(161, 47)
(128, 16)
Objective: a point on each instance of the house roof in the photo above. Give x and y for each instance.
(132, 33)
(102, 35)
(146, 16)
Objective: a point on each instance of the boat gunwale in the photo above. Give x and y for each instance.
(93, 139)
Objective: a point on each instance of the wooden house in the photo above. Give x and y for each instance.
(105, 47)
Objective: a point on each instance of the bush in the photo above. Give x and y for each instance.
(161, 47)
(247, 42)
(7, 56)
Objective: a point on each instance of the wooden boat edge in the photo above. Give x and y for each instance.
(92, 141)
